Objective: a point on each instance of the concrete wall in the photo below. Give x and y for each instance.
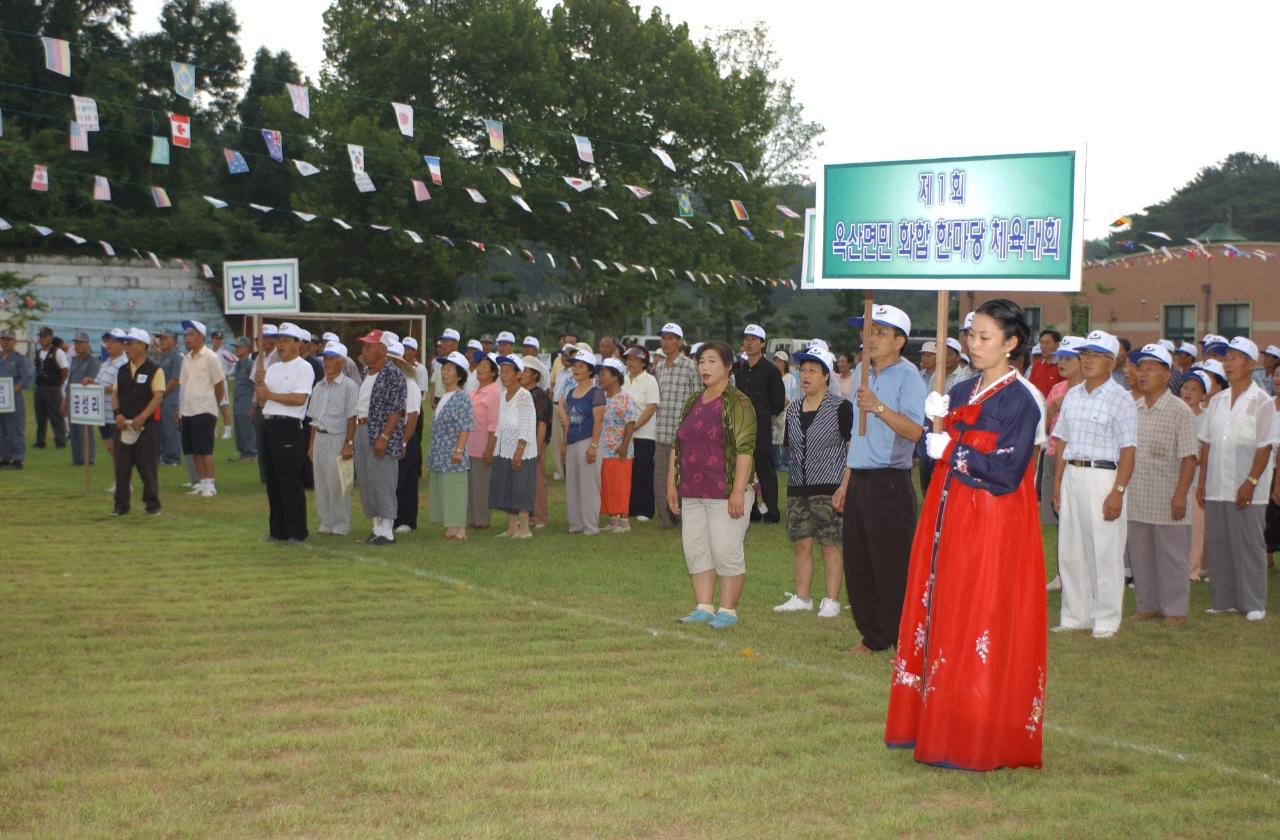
(96, 294)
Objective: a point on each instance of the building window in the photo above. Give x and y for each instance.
(1180, 322)
(1033, 319)
(1233, 320)
(1081, 317)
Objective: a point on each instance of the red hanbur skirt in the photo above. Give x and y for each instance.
(615, 487)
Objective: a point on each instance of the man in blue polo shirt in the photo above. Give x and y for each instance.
(877, 495)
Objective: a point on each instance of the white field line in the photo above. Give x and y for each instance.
(1172, 756)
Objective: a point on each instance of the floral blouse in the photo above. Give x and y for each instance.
(618, 412)
(451, 420)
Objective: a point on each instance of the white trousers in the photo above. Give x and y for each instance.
(1090, 552)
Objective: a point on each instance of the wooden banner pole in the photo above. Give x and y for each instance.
(867, 305)
(940, 365)
(84, 454)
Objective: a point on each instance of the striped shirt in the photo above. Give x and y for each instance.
(677, 380)
(333, 403)
(1095, 425)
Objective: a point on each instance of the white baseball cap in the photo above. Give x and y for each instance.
(1155, 351)
(474, 344)
(458, 359)
(586, 357)
(330, 337)
(1100, 341)
(929, 347)
(507, 337)
(954, 344)
(135, 334)
(1068, 347)
(1272, 350)
(693, 351)
(1212, 366)
(335, 348)
(889, 316)
(388, 334)
(817, 354)
(270, 330)
(450, 335)
(754, 329)
(1245, 346)
(410, 342)
(530, 341)
(1188, 348)
(194, 325)
(672, 328)
(783, 355)
(820, 343)
(615, 366)
(968, 322)
(1167, 344)
(293, 331)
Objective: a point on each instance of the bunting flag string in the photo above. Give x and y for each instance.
(184, 80)
(57, 56)
(497, 140)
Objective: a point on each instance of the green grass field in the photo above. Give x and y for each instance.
(175, 677)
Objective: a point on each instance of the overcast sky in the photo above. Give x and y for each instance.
(1155, 90)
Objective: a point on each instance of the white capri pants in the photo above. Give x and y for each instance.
(713, 539)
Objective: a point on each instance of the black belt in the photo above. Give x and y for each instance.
(323, 432)
(1096, 465)
(878, 470)
(279, 417)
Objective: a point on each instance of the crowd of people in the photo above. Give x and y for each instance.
(1156, 465)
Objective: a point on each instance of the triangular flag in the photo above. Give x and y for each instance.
(275, 144)
(42, 230)
(746, 233)
(235, 162)
(86, 112)
(738, 167)
(716, 228)
(622, 269)
(78, 139)
(217, 203)
(79, 240)
(504, 249)
(306, 217)
(184, 79)
(739, 209)
(577, 183)
(600, 264)
(497, 141)
(787, 211)
(479, 246)
(364, 183)
(154, 259)
(521, 203)
(404, 118)
(692, 279)
(682, 221)
(101, 188)
(57, 56)
(356, 154)
(160, 151)
(584, 149)
(551, 260)
(40, 178)
(383, 228)
(433, 164)
(420, 191)
(609, 213)
(301, 99)
(664, 157)
(650, 219)
(511, 177)
(638, 192)
(305, 169)
(476, 196)
(107, 249)
(160, 197)
(778, 234)
(206, 270)
(575, 262)
(180, 130)
(412, 235)
(261, 208)
(446, 240)
(342, 224)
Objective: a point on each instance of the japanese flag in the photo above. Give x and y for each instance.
(404, 118)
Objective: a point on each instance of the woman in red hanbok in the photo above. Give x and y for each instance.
(969, 675)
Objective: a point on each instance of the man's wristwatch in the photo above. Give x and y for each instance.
(350, 443)
(1120, 488)
(1253, 481)
(880, 409)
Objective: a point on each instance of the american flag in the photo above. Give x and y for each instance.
(79, 139)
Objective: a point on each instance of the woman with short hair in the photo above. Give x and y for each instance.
(513, 485)
(533, 379)
(583, 408)
(480, 445)
(447, 459)
(615, 445)
(709, 485)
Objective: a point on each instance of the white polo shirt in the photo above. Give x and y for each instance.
(643, 391)
(1235, 433)
(295, 377)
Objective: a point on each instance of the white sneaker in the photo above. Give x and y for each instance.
(111, 489)
(1227, 611)
(196, 490)
(208, 491)
(1054, 585)
(829, 609)
(226, 433)
(403, 529)
(794, 603)
(1103, 634)
(1255, 615)
(642, 519)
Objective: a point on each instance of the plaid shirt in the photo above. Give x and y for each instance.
(676, 381)
(1166, 435)
(1097, 424)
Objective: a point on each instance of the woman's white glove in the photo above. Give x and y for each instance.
(936, 444)
(936, 405)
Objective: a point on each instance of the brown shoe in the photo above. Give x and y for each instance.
(1144, 616)
(1173, 620)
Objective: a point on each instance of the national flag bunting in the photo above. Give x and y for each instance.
(342, 224)
(739, 167)
(685, 205)
(564, 205)
(57, 56)
(106, 248)
(306, 217)
(184, 79)
(638, 192)
(261, 208)
(364, 183)
(716, 228)
(746, 233)
(217, 203)
(577, 183)
(739, 209)
(101, 188)
(414, 236)
(160, 151)
(40, 178)
(301, 99)
(79, 240)
(41, 229)
(305, 169)
(511, 176)
(1166, 237)
(609, 213)
(682, 221)
(497, 140)
(275, 144)
(664, 157)
(86, 112)
(1123, 221)
(420, 191)
(584, 149)
(160, 197)
(180, 130)
(78, 139)
(787, 211)
(522, 204)
(356, 155)
(433, 164)
(235, 162)
(476, 196)
(650, 219)
(404, 118)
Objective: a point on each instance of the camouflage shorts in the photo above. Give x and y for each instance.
(813, 516)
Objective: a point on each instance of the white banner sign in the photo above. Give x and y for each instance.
(260, 287)
(6, 395)
(88, 405)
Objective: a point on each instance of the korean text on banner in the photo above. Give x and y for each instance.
(252, 287)
(88, 405)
